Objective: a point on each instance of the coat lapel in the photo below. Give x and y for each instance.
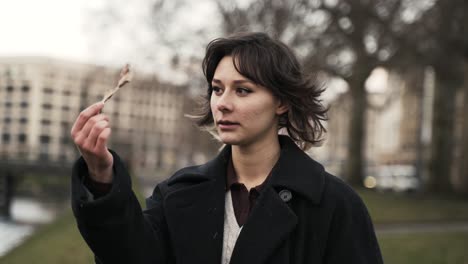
(269, 224)
(272, 220)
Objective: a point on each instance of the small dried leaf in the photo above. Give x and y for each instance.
(125, 77)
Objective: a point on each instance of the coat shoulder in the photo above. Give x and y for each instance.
(340, 194)
(349, 223)
(183, 177)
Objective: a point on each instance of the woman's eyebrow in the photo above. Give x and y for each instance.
(235, 81)
(242, 81)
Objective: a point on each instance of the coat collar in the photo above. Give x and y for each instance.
(294, 170)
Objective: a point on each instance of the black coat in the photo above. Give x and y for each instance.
(317, 219)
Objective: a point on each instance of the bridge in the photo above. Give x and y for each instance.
(12, 169)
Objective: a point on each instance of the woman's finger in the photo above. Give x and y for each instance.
(101, 142)
(91, 123)
(95, 131)
(84, 116)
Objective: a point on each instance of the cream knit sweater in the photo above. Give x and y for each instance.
(231, 229)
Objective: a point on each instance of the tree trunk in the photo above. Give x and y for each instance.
(463, 166)
(354, 168)
(440, 164)
(414, 78)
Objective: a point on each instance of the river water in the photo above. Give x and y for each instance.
(26, 215)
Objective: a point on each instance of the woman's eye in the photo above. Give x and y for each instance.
(216, 89)
(243, 91)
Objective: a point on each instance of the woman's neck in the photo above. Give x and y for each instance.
(254, 162)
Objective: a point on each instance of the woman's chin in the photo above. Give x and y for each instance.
(229, 139)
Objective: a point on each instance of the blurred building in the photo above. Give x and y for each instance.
(40, 99)
(394, 126)
(398, 127)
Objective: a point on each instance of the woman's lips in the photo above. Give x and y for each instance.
(227, 126)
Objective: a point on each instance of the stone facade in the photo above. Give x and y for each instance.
(40, 98)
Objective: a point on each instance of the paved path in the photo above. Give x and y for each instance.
(436, 227)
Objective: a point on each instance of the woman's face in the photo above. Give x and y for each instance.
(252, 109)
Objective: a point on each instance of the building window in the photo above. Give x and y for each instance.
(22, 138)
(47, 106)
(6, 138)
(25, 88)
(63, 157)
(24, 104)
(48, 90)
(9, 88)
(43, 156)
(8, 104)
(65, 140)
(45, 122)
(65, 108)
(44, 139)
(23, 120)
(66, 92)
(7, 120)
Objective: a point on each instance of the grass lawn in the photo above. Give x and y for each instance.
(401, 208)
(58, 242)
(436, 248)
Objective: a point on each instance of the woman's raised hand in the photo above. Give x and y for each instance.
(90, 133)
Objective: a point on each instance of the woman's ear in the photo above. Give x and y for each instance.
(282, 107)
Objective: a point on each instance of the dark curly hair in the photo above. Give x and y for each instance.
(271, 64)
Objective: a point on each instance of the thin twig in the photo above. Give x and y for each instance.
(125, 77)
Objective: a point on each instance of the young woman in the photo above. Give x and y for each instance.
(260, 200)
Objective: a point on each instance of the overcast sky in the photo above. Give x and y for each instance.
(61, 29)
(64, 28)
(46, 27)
(70, 29)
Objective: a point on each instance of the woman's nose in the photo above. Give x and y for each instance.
(223, 103)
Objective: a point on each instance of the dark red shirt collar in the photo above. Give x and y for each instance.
(243, 200)
(232, 178)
